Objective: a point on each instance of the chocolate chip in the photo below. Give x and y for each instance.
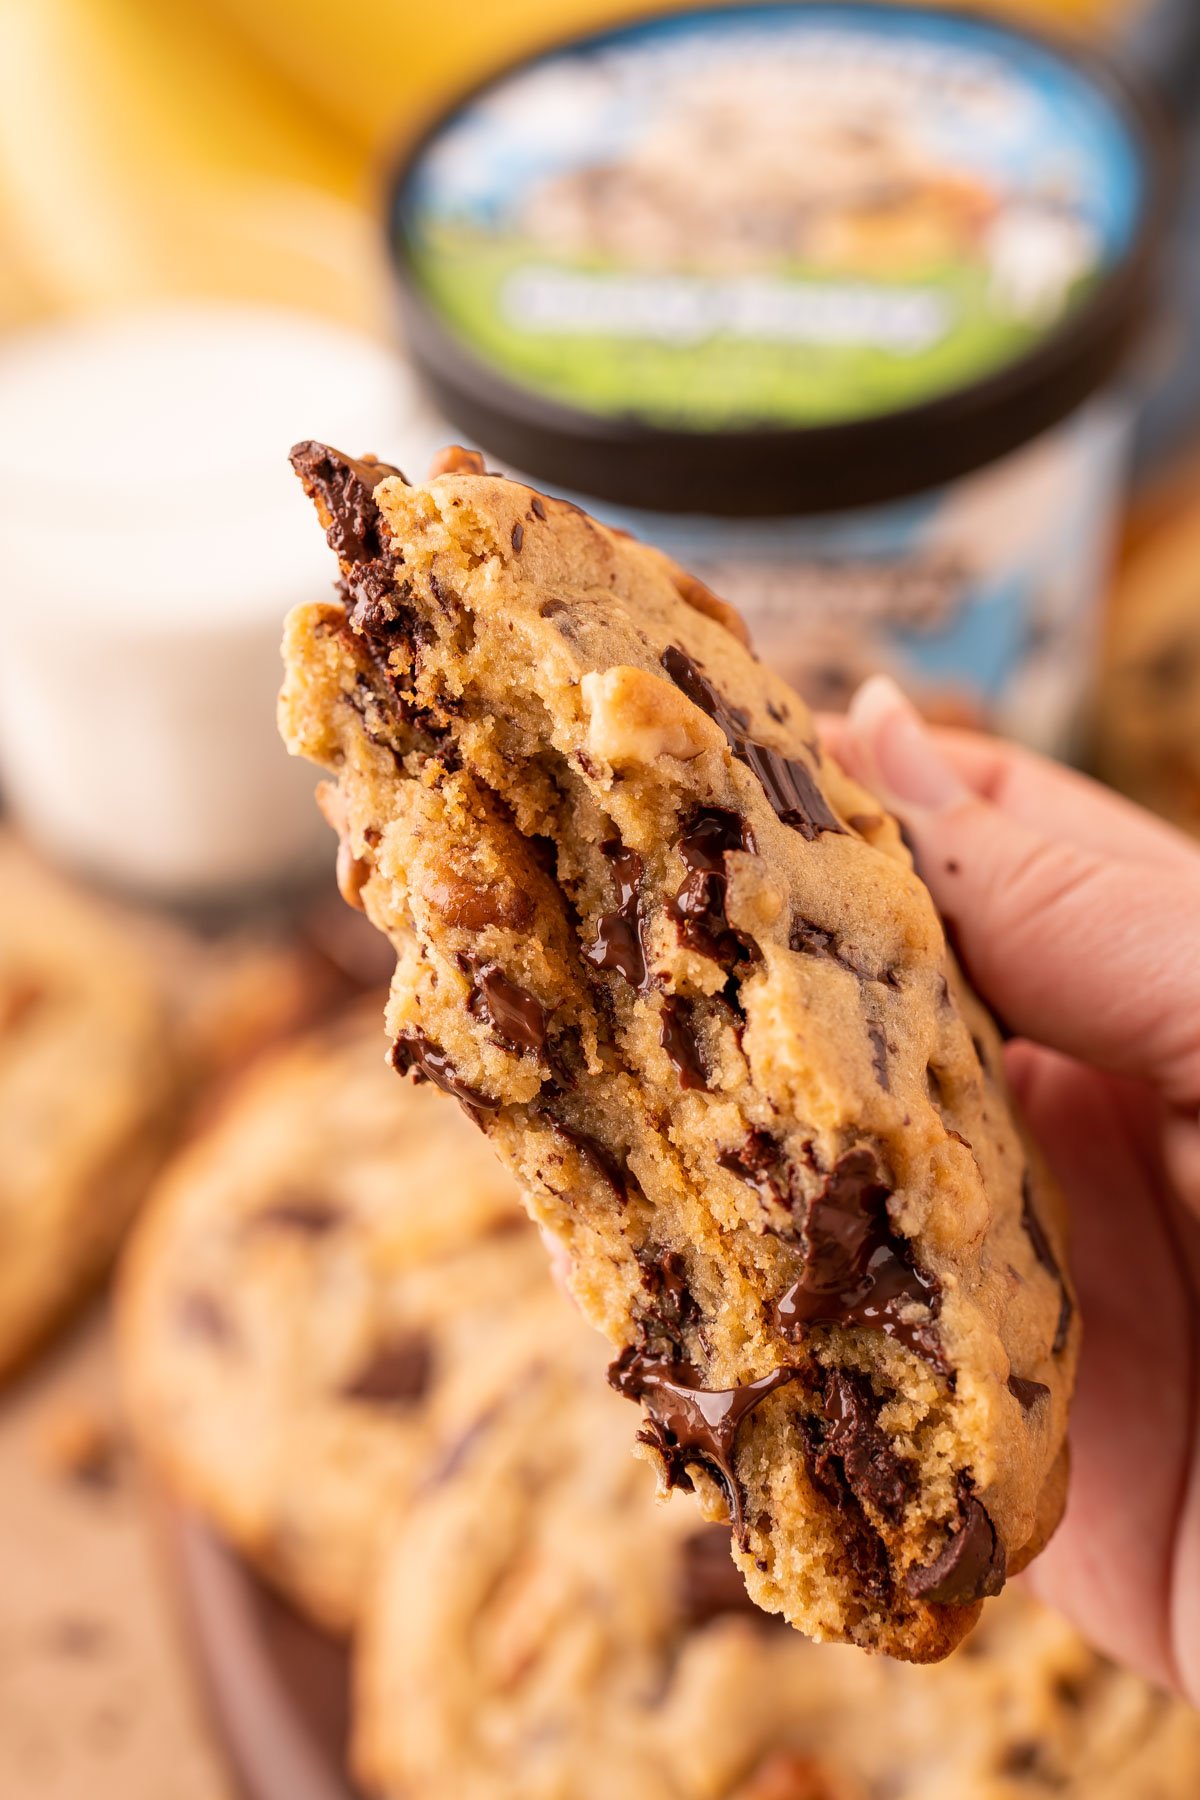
(536, 508)
(710, 1586)
(863, 1547)
(310, 1215)
(671, 1305)
(343, 489)
(879, 1056)
(398, 1373)
(693, 1424)
(1027, 1392)
(698, 909)
(679, 1039)
(787, 782)
(518, 536)
(762, 1161)
(1044, 1251)
(413, 1050)
(201, 1315)
(971, 1567)
(857, 1269)
(513, 1013)
(874, 1473)
(598, 1155)
(618, 941)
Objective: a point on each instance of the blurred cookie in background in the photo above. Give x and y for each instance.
(90, 1085)
(541, 1628)
(1147, 728)
(319, 1274)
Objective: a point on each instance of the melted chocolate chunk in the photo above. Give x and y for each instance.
(671, 1307)
(1026, 1391)
(692, 1424)
(598, 1155)
(512, 1013)
(864, 1548)
(430, 1063)
(857, 1269)
(344, 488)
(875, 1474)
(762, 1161)
(397, 1374)
(710, 1585)
(971, 1567)
(1043, 1249)
(618, 943)
(786, 780)
(698, 909)
(678, 1038)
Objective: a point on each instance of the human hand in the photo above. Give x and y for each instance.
(1077, 916)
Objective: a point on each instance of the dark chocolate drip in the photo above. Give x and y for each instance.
(343, 487)
(698, 909)
(510, 1010)
(678, 1038)
(875, 1474)
(598, 1155)
(1026, 1391)
(398, 1373)
(857, 1269)
(1043, 1249)
(787, 781)
(618, 943)
(430, 1063)
(693, 1424)
(971, 1567)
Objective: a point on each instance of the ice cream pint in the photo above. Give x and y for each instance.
(834, 302)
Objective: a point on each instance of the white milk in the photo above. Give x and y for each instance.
(152, 537)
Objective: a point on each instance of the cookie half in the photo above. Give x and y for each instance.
(678, 968)
(317, 1276)
(539, 1628)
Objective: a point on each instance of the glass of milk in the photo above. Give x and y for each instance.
(152, 537)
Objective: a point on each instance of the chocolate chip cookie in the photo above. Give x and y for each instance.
(88, 1092)
(317, 1275)
(678, 968)
(540, 1629)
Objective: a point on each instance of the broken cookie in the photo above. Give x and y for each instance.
(679, 969)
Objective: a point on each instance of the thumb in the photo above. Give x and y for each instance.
(1091, 954)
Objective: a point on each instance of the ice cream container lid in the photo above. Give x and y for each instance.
(778, 258)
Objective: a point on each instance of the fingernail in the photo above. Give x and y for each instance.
(898, 756)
